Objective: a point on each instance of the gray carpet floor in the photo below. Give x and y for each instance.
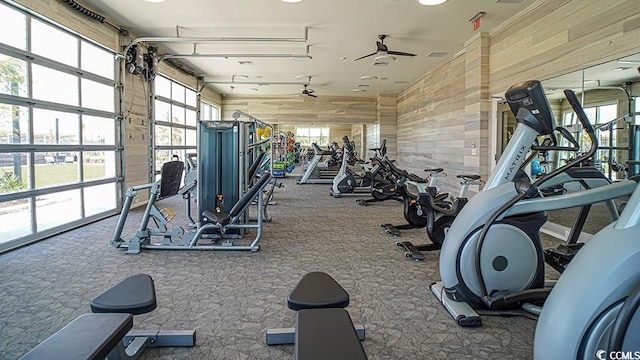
(231, 298)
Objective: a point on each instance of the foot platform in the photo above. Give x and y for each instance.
(390, 229)
(410, 250)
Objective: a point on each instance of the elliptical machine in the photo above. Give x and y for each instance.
(492, 256)
(605, 278)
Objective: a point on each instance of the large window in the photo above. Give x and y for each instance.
(305, 136)
(612, 151)
(174, 130)
(209, 112)
(58, 142)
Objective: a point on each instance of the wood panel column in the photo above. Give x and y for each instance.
(387, 121)
(477, 106)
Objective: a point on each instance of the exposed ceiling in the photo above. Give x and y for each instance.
(339, 31)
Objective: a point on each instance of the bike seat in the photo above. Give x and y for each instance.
(434, 170)
(469, 177)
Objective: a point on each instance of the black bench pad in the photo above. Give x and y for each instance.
(216, 217)
(317, 290)
(89, 336)
(326, 334)
(134, 295)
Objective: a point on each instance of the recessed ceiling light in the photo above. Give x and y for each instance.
(154, 1)
(437, 54)
(343, 58)
(292, 1)
(368, 77)
(358, 90)
(432, 2)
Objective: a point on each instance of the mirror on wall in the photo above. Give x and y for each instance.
(610, 96)
(608, 93)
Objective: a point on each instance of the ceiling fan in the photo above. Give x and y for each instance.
(308, 92)
(381, 48)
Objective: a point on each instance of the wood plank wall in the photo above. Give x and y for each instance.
(444, 110)
(387, 119)
(555, 37)
(303, 110)
(477, 105)
(431, 120)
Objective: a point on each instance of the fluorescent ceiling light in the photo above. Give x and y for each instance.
(368, 77)
(432, 2)
(358, 90)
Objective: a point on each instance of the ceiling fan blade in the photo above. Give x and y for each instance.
(400, 53)
(315, 96)
(366, 56)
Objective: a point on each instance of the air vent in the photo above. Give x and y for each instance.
(438, 54)
(380, 63)
(509, 1)
(400, 82)
(245, 62)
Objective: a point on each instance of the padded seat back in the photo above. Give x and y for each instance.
(89, 336)
(253, 170)
(245, 200)
(133, 295)
(317, 290)
(170, 178)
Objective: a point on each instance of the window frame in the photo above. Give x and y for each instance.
(32, 194)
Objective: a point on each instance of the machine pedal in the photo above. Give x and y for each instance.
(167, 214)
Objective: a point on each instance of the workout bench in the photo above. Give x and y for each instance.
(324, 329)
(105, 333)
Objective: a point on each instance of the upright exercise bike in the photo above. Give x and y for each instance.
(438, 213)
(492, 256)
